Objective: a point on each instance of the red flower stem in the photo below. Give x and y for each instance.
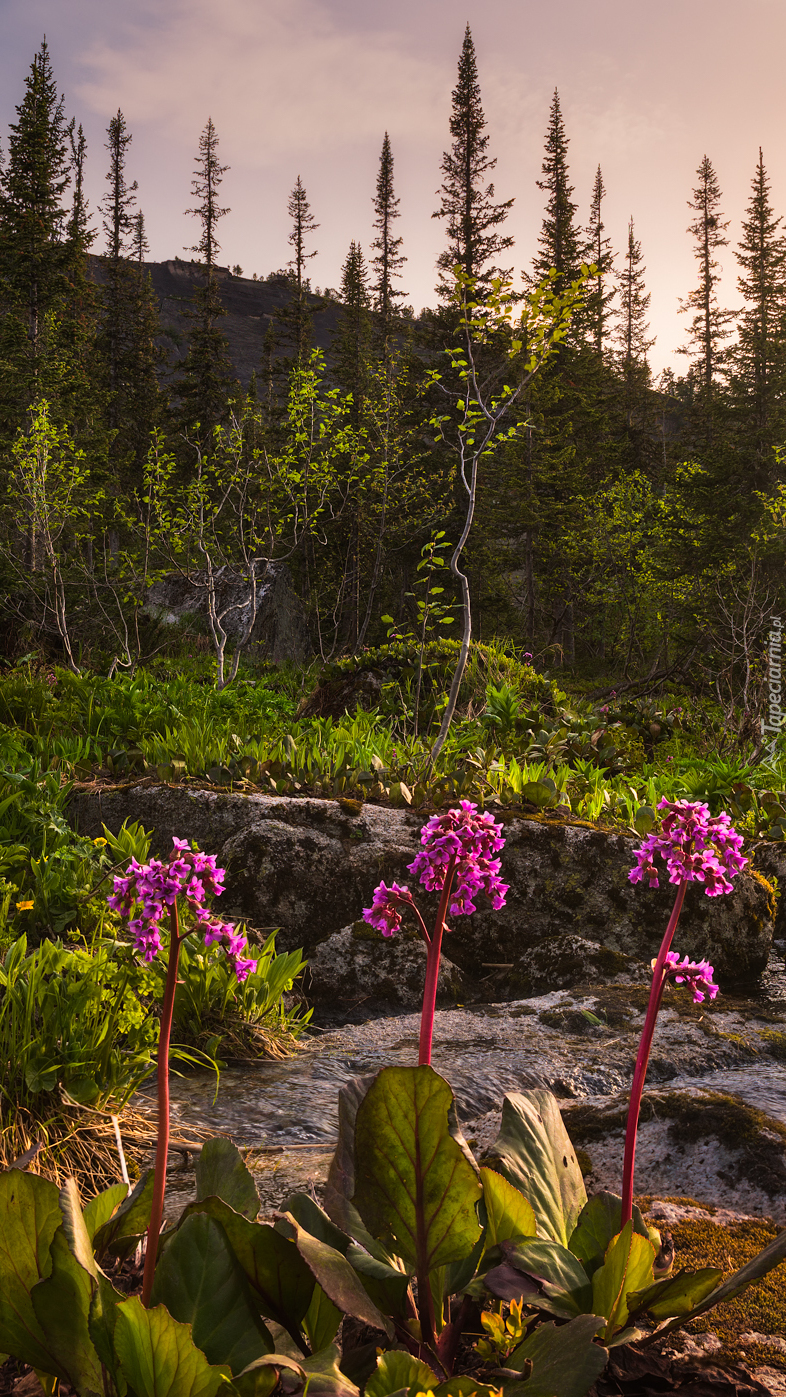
(432, 971)
(640, 1070)
(162, 1146)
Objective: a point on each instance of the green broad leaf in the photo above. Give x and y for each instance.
(508, 1214)
(417, 1186)
(101, 1208)
(29, 1218)
(766, 1261)
(565, 1361)
(201, 1284)
(676, 1295)
(101, 1326)
(538, 793)
(279, 1277)
(340, 1184)
(545, 1274)
(62, 1308)
(158, 1357)
(386, 1285)
(221, 1172)
(395, 1370)
(123, 1229)
(534, 1153)
(308, 1215)
(321, 1320)
(644, 819)
(261, 1377)
(599, 1221)
(335, 1275)
(628, 1267)
(325, 1378)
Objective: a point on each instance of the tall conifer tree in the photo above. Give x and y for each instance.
(467, 203)
(41, 250)
(759, 371)
(559, 239)
(631, 338)
(598, 252)
(117, 208)
(207, 377)
(710, 325)
(295, 318)
(389, 258)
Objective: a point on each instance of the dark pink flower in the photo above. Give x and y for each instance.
(696, 973)
(471, 837)
(696, 847)
(384, 911)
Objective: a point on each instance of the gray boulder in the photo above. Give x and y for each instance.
(310, 866)
(360, 966)
(280, 630)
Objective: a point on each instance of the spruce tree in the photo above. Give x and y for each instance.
(467, 201)
(598, 252)
(295, 318)
(630, 335)
(38, 256)
(207, 377)
(117, 208)
(709, 327)
(354, 331)
(759, 371)
(389, 259)
(559, 241)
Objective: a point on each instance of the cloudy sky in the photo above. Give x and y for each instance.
(309, 86)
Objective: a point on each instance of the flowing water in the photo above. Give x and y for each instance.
(483, 1051)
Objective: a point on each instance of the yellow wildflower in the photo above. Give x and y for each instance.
(25, 906)
(100, 842)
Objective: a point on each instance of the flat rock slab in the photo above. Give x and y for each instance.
(309, 867)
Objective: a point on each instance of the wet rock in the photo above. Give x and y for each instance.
(280, 631)
(563, 961)
(358, 965)
(696, 1144)
(309, 867)
(768, 857)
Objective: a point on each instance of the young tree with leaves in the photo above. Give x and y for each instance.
(207, 377)
(473, 219)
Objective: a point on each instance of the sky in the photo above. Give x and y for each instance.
(308, 87)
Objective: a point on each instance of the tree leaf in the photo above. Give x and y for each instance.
(676, 1295)
(628, 1267)
(534, 1153)
(313, 1219)
(335, 1274)
(396, 1369)
(564, 1360)
(202, 1284)
(600, 1220)
(417, 1186)
(221, 1172)
(508, 1214)
(278, 1275)
(29, 1218)
(129, 1222)
(101, 1208)
(158, 1356)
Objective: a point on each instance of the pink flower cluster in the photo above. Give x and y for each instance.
(696, 973)
(383, 912)
(464, 835)
(696, 846)
(157, 886)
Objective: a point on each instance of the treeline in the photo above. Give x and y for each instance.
(624, 525)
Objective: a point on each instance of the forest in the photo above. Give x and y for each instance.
(626, 531)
